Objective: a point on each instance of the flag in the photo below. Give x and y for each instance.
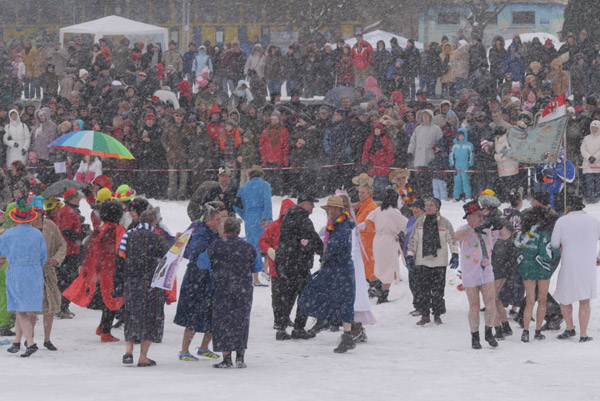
(555, 108)
(166, 271)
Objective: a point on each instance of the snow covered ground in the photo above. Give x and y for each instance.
(399, 361)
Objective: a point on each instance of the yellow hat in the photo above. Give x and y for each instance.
(103, 195)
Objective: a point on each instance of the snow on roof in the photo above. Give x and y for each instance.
(375, 36)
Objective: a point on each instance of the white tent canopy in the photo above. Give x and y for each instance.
(375, 36)
(119, 26)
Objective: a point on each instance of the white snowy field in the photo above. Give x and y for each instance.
(399, 361)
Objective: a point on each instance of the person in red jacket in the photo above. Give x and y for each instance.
(94, 286)
(215, 126)
(362, 60)
(274, 151)
(68, 221)
(268, 243)
(378, 155)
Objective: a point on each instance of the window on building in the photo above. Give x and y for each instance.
(28, 12)
(523, 17)
(8, 13)
(161, 13)
(207, 11)
(253, 13)
(230, 10)
(448, 18)
(138, 10)
(492, 18)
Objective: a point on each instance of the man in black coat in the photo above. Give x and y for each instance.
(225, 192)
(412, 64)
(298, 243)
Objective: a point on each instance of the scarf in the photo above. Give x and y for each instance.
(431, 236)
(237, 141)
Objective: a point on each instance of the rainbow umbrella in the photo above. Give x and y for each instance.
(92, 143)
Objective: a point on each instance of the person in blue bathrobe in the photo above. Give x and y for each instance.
(330, 295)
(231, 262)
(257, 212)
(24, 277)
(194, 309)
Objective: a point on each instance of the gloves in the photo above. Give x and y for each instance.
(271, 253)
(304, 242)
(454, 261)
(592, 159)
(410, 263)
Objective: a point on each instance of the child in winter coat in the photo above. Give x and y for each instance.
(439, 162)
(462, 156)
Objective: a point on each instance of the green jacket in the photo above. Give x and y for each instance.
(536, 258)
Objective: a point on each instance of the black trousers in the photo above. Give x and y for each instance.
(414, 288)
(431, 285)
(66, 273)
(423, 183)
(106, 320)
(289, 292)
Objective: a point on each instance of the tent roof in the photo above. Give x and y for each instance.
(374, 36)
(113, 25)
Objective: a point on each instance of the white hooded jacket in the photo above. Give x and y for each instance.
(17, 138)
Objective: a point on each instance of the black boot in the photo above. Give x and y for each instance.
(489, 337)
(567, 334)
(282, 335)
(525, 336)
(499, 334)
(225, 364)
(319, 326)
(239, 359)
(301, 334)
(14, 348)
(383, 298)
(475, 343)
(346, 343)
(506, 329)
(374, 289)
(538, 335)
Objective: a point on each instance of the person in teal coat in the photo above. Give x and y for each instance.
(462, 156)
(255, 207)
(24, 277)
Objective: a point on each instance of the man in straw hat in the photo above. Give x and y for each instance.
(25, 278)
(330, 295)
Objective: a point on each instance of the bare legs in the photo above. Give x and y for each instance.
(584, 316)
(24, 327)
(188, 335)
(488, 293)
(501, 316)
(542, 286)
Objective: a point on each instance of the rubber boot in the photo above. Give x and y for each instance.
(225, 364)
(346, 343)
(239, 359)
(383, 298)
(489, 337)
(506, 330)
(475, 343)
(499, 333)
